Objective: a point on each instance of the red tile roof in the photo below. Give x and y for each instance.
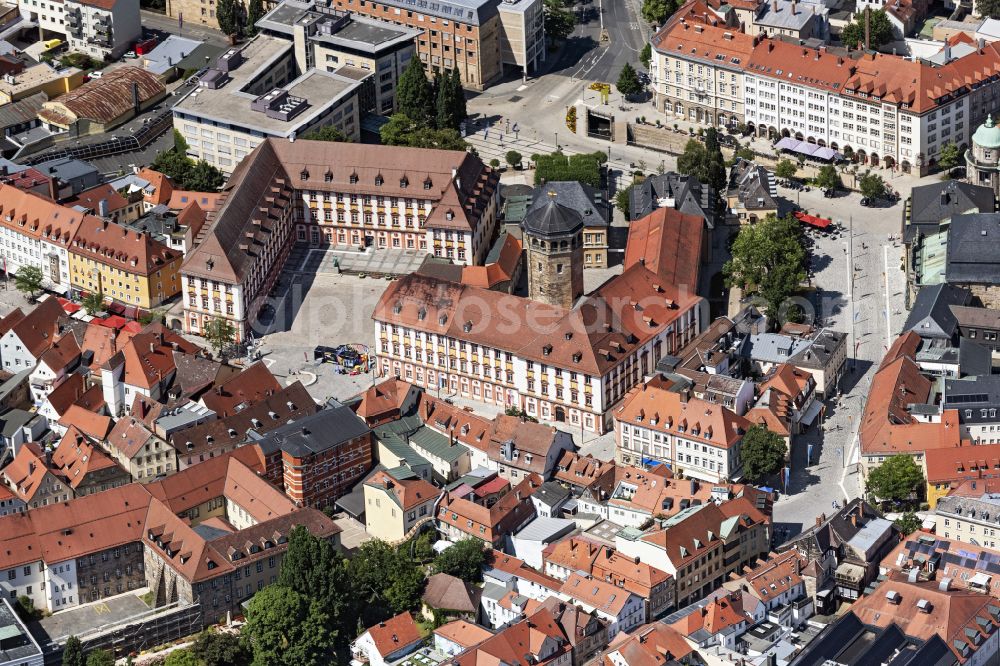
(961, 463)
(667, 242)
(240, 391)
(395, 634)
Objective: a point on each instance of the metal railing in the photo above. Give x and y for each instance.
(125, 144)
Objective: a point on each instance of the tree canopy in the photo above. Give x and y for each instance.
(218, 648)
(628, 81)
(623, 201)
(100, 658)
(28, 279)
(73, 653)
(401, 130)
(828, 178)
(450, 103)
(786, 169)
(768, 257)
(385, 581)
(898, 479)
(949, 156)
(255, 12)
(762, 453)
(312, 567)
(463, 560)
(559, 21)
(853, 34)
(326, 133)
(185, 173)
(585, 168)
(646, 55)
(182, 657)
(93, 302)
(704, 161)
(514, 158)
(656, 12)
(990, 8)
(219, 333)
(908, 523)
(285, 628)
(871, 185)
(227, 13)
(415, 93)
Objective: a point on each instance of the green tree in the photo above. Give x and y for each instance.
(908, 523)
(219, 333)
(495, 163)
(227, 13)
(450, 101)
(29, 279)
(514, 158)
(285, 628)
(204, 177)
(786, 169)
(623, 201)
(255, 12)
(25, 608)
(313, 568)
(949, 156)
(463, 560)
(100, 658)
(93, 302)
(744, 152)
(326, 133)
(646, 55)
(871, 185)
(73, 653)
(415, 94)
(828, 178)
(768, 257)
(628, 81)
(386, 581)
(401, 130)
(716, 162)
(218, 648)
(762, 453)
(694, 160)
(656, 12)
(898, 479)
(559, 22)
(990, 8)
(182, 657)
(853, 34)
(174, 164)
(423, 546)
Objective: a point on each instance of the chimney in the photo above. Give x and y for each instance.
(694, 487)
(135, 97)
(793, 8)
(103, 208)
(854, 519)
(152, 347)
(820, 519)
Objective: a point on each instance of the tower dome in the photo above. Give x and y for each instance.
(987, 135)
(552, 220)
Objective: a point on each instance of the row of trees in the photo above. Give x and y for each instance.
(430, 112)
(209, 649)
(585, 167)
(239, 20)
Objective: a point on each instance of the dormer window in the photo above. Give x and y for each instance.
(428, 183)
(354, 179)
(328, 176)
(304, 174)
(379, 180)
(403, 182)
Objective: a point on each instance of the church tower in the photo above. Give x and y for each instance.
(553, 236)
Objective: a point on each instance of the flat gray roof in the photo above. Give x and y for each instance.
(229, 105)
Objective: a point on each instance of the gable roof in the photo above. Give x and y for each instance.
(668, 243)
(395, 634)
(446, 592)
(248, 387)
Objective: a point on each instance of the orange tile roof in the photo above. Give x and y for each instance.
(67, 392)
(462, 633)
(160, 184)
(596, 593)
(628, 572)
(63, 353)
(91, 199)
(37, 217)
(494, 273)
(886, 423)
(772, 577)
(394, 634)
(37, 330)
(122, 248)
(584, 471)
(667, 242)
(517, 567)
(576, 553)
(950, 613)
(654, 644)
(408, 493)
(95, 426)
(655, 407)
(26, 473)
(799, 65)
(384, 400)
(960, 463)
(76, 457)
(520, 643)
(129, 436)
(247, 388)
(693, 33)
(503, 517)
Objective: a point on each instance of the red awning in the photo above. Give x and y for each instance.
(812, 220)
(114, 321)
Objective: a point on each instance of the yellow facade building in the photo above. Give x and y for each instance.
(125, 265)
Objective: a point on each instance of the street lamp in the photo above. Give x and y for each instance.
(557, 141)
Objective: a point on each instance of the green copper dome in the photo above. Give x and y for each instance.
(988, 134)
